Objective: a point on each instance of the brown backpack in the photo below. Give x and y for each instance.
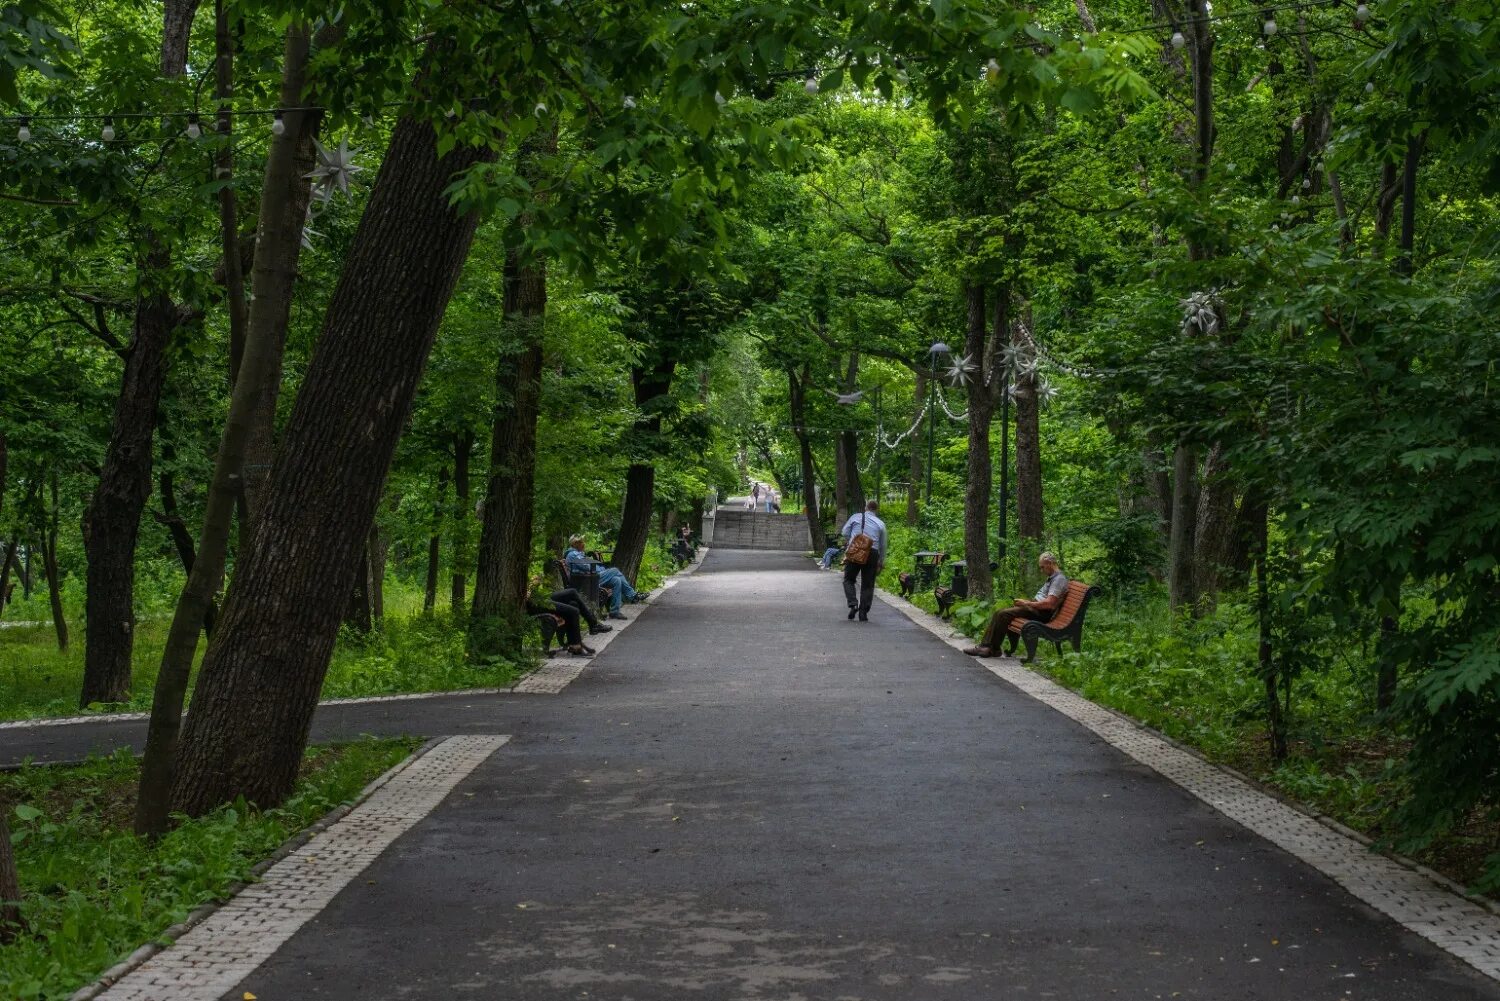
(860, 546)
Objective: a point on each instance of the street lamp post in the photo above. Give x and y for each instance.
(877, 442)
(936, 355)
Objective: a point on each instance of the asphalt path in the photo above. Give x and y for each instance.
(747, 796)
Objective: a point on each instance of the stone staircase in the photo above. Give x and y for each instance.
(741, 529)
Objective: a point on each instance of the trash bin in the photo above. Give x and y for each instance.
(927, 564)
(960, 583)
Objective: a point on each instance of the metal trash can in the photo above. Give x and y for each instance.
(927, 564)
(960, 583)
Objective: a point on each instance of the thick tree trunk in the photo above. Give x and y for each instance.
(797, 397)
(1029, 519)
(261, 677)
(5, 568)
(1276, 724)
(285, 194)
(980, 472)
(435, 544)
(498, 617)
(229, 224)
(1214, 533)
(463, 449)
(276, 253)
(357, 616)
(651, 385)
(182, 541)
(1181, 570)
(112, 520)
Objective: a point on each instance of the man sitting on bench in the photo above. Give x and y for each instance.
(1048, 599)
(611, 577)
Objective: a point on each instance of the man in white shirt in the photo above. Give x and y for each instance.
(867, 522)
(1048, 600)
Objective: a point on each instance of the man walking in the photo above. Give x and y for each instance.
(866, 523)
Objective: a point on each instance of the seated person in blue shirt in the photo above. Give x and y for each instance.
(610, 577)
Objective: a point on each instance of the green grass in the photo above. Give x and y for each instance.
(93, 892)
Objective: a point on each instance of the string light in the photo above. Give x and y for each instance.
(811, 83)
(1362, 13)
(629, 102)
(193, 130)
(1178, 40)
(992, 69)
(108, 132)
(1270, 27)
(1370, 87)
(720, 99)
(24, 132)
(278, 125)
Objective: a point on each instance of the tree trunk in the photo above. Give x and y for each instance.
(797, 399)
(435, 545)
(463, 448)
(1029, 521)
(49, 567)
(980, 473)
(914, 467)
(260, 680)
(1275, 720)
(177, 529)
(112, 520)
(651, 386)
(276, 253)
(498, 616)
(1181, 571)
(840, 482)
(1214, 532)
(357, 615)
(10, 561)
(286, 192)
(10, 881)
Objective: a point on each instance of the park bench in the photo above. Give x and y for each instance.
(1067, 624)
(586, 582)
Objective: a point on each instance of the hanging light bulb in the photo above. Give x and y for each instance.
(629, 102)
(278, 124)
(720, 99)
(1270, 27)
(1178, 40)
(1370, 87)
(992, 69)
(1306, 183)
(23, 134)
(108, 132)
(811, 83)
(1362, 13)
(193, 130)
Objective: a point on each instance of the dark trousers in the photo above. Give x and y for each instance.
(570, 596)
(999, 627)
(866, 573)
(569, 616)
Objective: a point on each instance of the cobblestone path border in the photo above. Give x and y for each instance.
(226, 946)
(1418, 899)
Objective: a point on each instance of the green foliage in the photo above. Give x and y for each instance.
(93, 891)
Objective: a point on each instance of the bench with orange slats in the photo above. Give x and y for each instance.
(1067, 624)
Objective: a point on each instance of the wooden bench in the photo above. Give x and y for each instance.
(1067, 624)
(587, 584)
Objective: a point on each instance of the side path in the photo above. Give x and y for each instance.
(750, 797)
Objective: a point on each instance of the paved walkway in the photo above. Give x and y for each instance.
(750, 797)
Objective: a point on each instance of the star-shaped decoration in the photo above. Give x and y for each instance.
(1045, 392)
(335, 168)
(849, 399)
(960, 370)
(1200, 313)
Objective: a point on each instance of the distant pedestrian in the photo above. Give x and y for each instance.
(866, 524)
(755, 496)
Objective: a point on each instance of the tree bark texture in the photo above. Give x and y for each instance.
(259, 373)
(264, 668)
(229, 223)
(113, 517)
(651, 387)
(357, 615)
(505, 535)
(1181, 568)
(463, 450)
(840, 482)
(1029, 523)
(10, 880)
(285, 194)
(1215, 530)
(981, 404)
(379, 548)
(797, 399)
(6, 565)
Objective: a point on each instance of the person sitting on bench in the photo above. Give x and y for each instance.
(570, 596)
(611, 577)
(832, 552)
(1048, 599)
(565, 616)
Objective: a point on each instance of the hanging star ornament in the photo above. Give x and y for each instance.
(961, 370)
(1046, 392)
(1200, 313)
(849, 399)
(335, 168)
